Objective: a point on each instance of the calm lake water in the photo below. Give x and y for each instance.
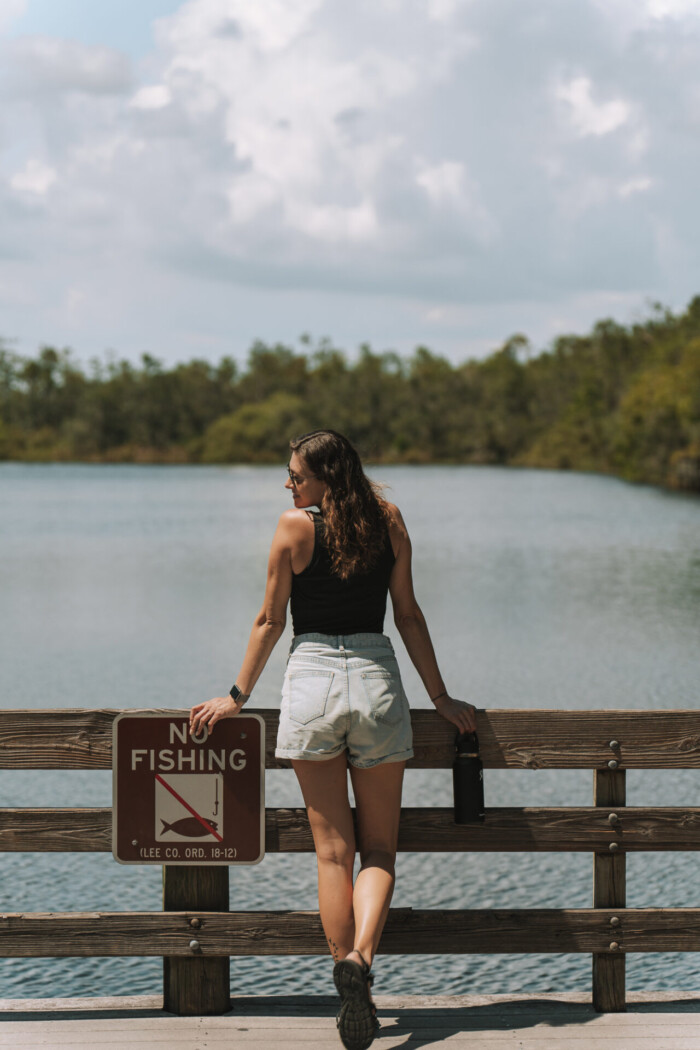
(130, 586)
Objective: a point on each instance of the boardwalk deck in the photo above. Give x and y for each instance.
(654, 1021)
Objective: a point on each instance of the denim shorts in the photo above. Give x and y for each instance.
(344, 692)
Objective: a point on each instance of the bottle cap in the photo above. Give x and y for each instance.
(467, 745)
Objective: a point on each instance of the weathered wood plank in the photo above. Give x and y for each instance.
(609, 891)
(460, 1032)
(41, 830)
(510, 739)
(423, 830)
(673, 1005)
(56, 739)
(198, 984)
(407, 931)
(553, 1022)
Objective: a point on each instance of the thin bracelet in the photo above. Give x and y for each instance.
(434, 698)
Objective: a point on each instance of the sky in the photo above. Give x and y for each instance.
(181, 179)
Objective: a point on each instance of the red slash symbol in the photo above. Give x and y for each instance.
(188, 807)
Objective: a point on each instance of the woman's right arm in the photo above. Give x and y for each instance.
(267, 627)
(412, 627)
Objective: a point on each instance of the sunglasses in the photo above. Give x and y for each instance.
(298, 479)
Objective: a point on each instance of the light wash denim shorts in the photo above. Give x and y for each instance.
(344, 692)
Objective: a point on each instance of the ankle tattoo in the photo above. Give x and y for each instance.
(334, 949)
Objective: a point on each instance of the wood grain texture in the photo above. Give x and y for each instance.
(423, 829)
(469, 1022)
(198, 984)
(542, 1022)
(677, 1007)
(610, 891)
(407, 931)
(510, 739)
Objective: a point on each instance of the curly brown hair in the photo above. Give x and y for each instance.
(355, 516)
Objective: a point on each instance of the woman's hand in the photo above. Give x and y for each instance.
(460, 713)
(209, 713)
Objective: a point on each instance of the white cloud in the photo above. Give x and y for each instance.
(444, 10)
(450, 188)
(99, 154)
(443, 155)
(639, 143)
(588, 193)
(638, 185)
(151, 96)
(672, 8)
(299, 109)
(271, 25)
(46, 63)
(10, 10)
(628, 18)
(444, 183)
(75, 300)
(333, 223)
(249, 196)
(35, 179)
(587, 116)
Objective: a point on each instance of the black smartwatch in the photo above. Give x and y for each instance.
(237, 694)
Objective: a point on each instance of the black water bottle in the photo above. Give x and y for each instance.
(468, 780)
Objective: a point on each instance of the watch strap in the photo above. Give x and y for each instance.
(238, 694)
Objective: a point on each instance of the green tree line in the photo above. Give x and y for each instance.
(621, 400)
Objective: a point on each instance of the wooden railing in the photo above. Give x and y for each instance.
(196, 934)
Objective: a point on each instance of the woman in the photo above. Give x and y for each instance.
(343, 704)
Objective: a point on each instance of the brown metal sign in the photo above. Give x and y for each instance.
(179, 799)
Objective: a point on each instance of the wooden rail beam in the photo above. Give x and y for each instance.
(423, 830)
(407, 932)
(510, 739)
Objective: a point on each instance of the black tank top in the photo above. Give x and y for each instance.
(322, 603)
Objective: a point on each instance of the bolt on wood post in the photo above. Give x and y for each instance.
(199, 985)
(609, 891)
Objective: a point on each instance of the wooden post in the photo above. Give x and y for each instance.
(201, 984)
(609, 891)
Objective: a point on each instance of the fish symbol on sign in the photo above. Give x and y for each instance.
(189, 827)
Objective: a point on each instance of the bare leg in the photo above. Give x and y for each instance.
(324, 786)
(378, 798)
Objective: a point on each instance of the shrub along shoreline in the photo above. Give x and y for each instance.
(620, 400)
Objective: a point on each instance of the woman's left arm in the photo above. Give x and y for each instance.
(267, 628)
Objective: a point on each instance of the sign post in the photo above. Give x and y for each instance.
(194, 805)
